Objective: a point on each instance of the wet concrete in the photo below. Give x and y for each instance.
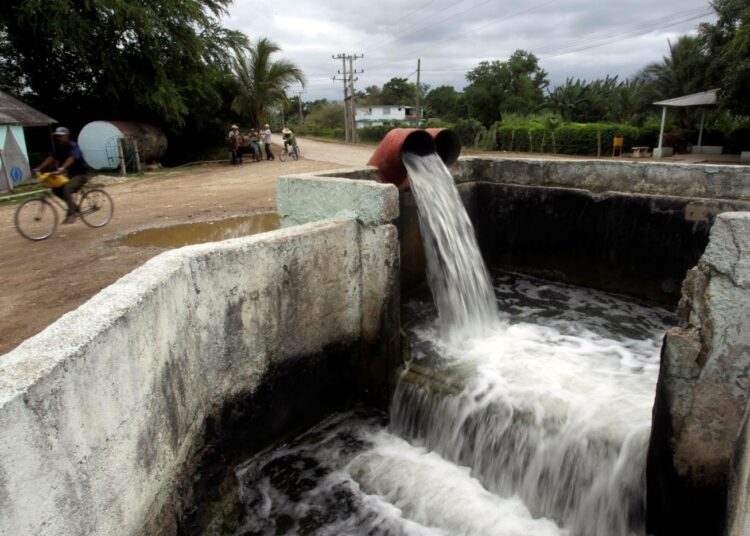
(186, 234)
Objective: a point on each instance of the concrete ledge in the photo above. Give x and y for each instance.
(708, 149)
(306, 198)
(664, 152)
(100, 411)
(649, 178)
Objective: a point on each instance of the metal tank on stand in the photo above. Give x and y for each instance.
(103, 143)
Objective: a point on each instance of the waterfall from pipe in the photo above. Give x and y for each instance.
(456, 272)
(532, 420)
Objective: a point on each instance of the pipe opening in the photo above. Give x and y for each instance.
(448, 146)
(418, 142)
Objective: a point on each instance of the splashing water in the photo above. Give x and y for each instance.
(537, 429)
(533, 421)
(456, 272)
(554, 408)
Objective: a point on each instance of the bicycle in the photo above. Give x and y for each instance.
(285, 153)
(36, 218)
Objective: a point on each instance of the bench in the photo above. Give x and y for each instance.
(640, 152)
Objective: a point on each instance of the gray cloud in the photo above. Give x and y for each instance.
(452, 36)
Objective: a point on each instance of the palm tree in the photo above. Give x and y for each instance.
(263, 82)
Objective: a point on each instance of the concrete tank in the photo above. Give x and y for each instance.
(98, 141)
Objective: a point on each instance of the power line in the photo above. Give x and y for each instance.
(586, 44)
(626, 35)
(420, 28)
(398, 24)
(482, 26)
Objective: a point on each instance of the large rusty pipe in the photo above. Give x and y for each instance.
(387, 157)
(447, 144)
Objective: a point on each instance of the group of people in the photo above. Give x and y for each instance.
(239, 144)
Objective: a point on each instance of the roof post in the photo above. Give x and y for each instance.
(661, 129)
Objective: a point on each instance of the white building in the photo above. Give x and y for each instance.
(376, 115)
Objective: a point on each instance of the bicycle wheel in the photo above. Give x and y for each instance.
(295, 153)
(283, 154)
(36, 219)
(96, 208)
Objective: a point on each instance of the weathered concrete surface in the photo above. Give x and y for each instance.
(316, 196)
(650, 178)
(305, 198)
(738, 504)
(703, 388)
(101, 410)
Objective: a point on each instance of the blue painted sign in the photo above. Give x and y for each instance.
(16, 174)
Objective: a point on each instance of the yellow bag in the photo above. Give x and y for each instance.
(53, 181)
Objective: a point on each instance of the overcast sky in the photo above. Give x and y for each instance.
(578, 38)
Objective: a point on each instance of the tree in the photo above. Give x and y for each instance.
(138, 60)
(496, 87)
(682, 72)
(398, 91)
(263, 82)
(728, 45)
(326, 114)
(446, 103)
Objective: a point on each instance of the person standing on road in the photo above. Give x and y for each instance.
(68, 160)
(266, 133)
(234, 144)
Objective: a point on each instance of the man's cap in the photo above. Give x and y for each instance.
(62, 131)
(234, 126)
(266, 125)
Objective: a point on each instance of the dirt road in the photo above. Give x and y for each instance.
(40, 281)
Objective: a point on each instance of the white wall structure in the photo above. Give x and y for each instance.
(14, 159)
(100, 411)
(376, 115)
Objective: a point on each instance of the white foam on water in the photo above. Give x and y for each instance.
(555, 407)
(438, 493)
(456, 272)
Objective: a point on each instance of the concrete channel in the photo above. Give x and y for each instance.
(125, 414)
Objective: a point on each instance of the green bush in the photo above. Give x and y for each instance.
(568, 138)
(469, 131)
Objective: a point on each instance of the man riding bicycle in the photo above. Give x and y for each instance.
(68, 160)
(289, 138)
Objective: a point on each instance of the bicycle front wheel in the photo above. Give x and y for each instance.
(36, 219)
(96, 208)
(283, 155)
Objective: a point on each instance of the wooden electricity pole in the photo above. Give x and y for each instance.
(419, 72)
(347, 76)
(347, 131)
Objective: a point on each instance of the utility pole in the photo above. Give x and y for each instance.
(348, 77)
(299, 101)
(419, 72)
(352, 103)
(347, 130)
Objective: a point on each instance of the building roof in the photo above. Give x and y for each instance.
(705, 98)
(15, 112)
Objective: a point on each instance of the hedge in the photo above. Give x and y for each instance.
(571, 138)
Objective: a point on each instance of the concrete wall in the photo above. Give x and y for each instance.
(648, 178)
(703, 389)
(105, 414)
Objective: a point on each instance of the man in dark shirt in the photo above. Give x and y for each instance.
(67, 160)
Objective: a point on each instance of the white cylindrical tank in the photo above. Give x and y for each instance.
(98, 141)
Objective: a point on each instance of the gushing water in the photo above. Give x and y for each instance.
(456, 272)
(532, 421)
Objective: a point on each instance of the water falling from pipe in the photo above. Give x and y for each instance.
(456, 272)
